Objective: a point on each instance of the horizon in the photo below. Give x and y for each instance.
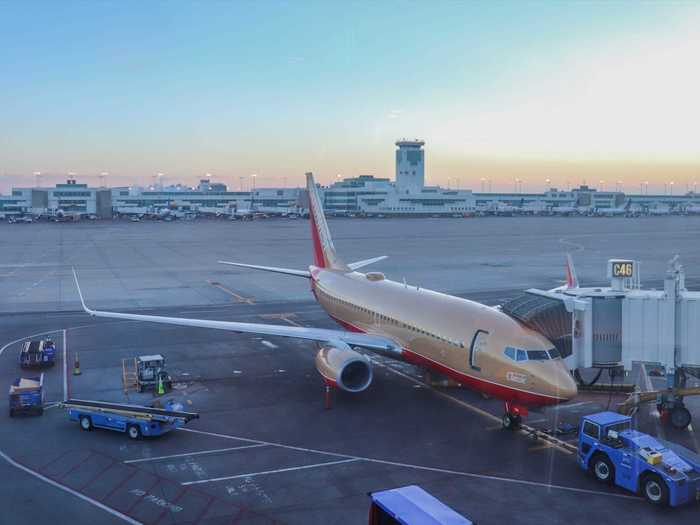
(564, 92)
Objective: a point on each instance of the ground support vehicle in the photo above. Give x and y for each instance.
(27, 396)
(151, 373)
(37, 354)
(136, 421)
(664, 473)
(411, 505)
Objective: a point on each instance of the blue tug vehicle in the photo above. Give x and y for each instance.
(665, 474)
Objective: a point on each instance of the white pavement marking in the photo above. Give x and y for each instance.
(515, 481)
(65, 367)
(265, 472)
(269, 344)
(197, 453)
(69, 490)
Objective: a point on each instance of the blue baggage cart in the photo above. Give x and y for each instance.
(411, 505)
(27, 396)
(36, 354)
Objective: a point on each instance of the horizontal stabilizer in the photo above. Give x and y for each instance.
(366, 262)
(287, 271)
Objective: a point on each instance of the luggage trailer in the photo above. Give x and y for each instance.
(137, 421)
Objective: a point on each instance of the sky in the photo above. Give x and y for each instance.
(553, 93)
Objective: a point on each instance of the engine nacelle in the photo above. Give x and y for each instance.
(344, 368)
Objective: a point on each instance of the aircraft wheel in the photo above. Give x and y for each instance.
(654, 490)
(85, 423)
(510, 421)
(680, 417)
(603, 469)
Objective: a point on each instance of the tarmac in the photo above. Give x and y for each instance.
(265, 450)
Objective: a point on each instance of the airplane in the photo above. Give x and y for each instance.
(660, 210)
(614, 212)
(564, 210)
(475, 345)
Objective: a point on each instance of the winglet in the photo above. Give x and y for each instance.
(80, 293)
(571, 278)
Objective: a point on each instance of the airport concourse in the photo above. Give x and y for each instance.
(213, 423)
(382, 263)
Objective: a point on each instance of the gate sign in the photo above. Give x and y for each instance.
(620, 269)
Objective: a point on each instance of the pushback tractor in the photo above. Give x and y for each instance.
(615, 454)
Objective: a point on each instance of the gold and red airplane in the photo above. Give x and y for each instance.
(475, 345)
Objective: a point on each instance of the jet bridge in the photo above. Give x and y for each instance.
(616, 326)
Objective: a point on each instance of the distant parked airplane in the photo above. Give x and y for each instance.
(473, 344)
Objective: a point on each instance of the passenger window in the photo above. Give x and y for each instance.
(554, 353)
(522, 356)
(591, 430)
(510, 353)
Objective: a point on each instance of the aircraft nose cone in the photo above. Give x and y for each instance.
(565, 385)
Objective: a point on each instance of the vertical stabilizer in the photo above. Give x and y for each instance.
(571, 278)
(324, 251)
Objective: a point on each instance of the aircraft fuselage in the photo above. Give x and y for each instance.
(461, 339)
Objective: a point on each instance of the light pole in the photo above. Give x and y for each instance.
(483, 184)
(602, 185)
(37, 174)
(102, 178)
(547, 184)
(671, 186)
(646, 187)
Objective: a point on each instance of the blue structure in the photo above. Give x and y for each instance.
(26, 396)
(665, 474)
(411, 505)
(136, 421)
(36, 354)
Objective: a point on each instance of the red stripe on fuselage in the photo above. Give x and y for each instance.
(505, 393)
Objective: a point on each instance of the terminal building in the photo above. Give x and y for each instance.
(364, 195)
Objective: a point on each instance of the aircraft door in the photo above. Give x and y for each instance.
(480, 343)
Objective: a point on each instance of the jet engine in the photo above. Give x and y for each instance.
(343, 367)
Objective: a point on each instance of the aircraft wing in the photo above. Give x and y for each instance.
(372, 342)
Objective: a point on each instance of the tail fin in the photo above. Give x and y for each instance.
(324, 251)
(571, 278)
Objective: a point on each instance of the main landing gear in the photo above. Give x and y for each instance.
(512, 418)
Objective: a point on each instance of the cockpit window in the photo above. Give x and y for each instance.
(537, 355)
(516, 354)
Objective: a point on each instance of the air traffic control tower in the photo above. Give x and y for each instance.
(410, 166)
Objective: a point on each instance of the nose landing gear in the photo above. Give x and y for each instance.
(512, 418)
